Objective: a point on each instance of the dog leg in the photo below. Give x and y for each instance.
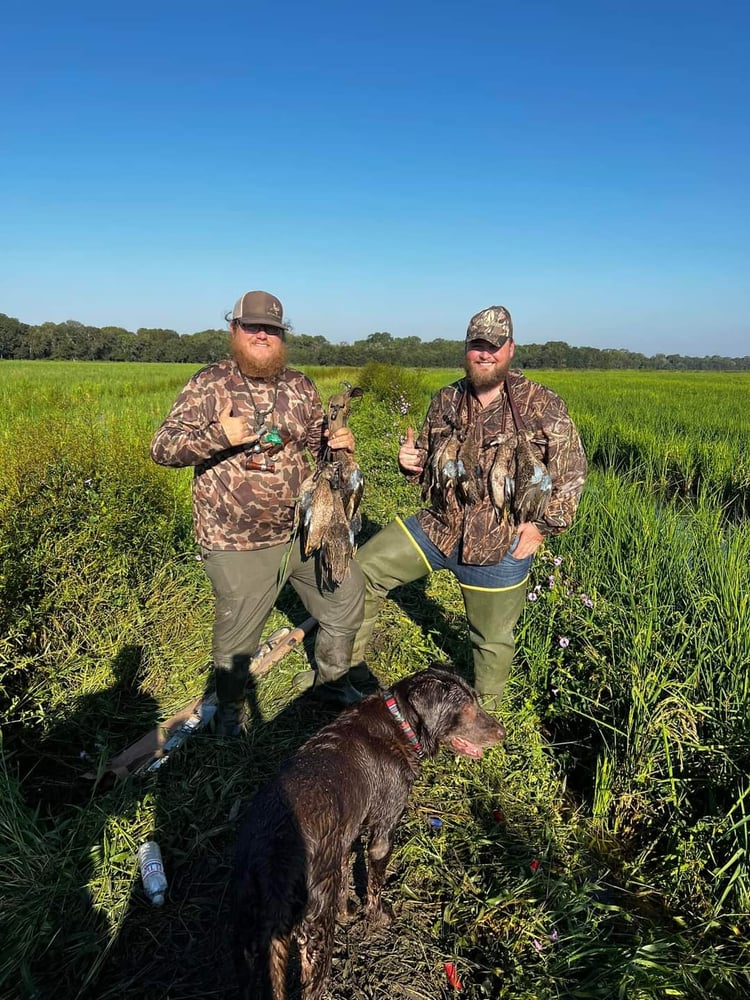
(315, 934)
(377, 913)
(278, 959)
(345, 909)
(316, 953)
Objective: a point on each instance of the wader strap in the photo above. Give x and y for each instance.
(517, 419)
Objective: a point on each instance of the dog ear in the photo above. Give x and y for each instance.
(432, 699)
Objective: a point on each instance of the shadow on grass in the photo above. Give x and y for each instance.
(58, 822)
(51, 765)
(184, 949)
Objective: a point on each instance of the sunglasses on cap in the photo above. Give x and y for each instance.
(272, 331)
(481, 344)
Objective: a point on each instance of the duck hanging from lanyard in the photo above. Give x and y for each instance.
(330, 498)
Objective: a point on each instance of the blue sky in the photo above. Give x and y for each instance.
(382, 167)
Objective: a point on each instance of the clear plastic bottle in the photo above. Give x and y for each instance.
(152, 872)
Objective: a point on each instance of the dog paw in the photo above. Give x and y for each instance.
(347, 912)
(381, 917)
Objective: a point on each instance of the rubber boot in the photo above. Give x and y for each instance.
(361, 681)
(364, 679)
(231, 681)
(333, 654)
(340, 692)
(492, 617)
(388, 560)
(230, 719)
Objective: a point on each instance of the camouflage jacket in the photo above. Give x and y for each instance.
(234, 506)
(485, 540)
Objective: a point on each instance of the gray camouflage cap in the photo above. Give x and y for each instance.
(259, 307)
(493, 324)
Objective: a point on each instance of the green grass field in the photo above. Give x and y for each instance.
(602, 852)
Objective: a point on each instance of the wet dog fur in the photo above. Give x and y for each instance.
(352, 778)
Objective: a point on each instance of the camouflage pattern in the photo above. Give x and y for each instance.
(236, 507)
(492, 324)
(484, 540)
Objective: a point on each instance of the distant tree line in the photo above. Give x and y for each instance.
(74, 341)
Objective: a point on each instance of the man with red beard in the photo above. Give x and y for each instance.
(249, 426)
(466, 453)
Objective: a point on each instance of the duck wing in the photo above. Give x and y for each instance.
(318, 514)
(533, 483)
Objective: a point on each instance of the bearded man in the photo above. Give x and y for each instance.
(249, 426)
(471, 455)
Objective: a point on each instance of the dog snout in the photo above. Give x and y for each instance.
(489, 731)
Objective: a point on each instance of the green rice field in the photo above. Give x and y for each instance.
(602, 852)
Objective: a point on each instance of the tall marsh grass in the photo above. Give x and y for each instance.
(601, 853)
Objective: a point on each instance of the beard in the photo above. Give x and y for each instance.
(255, 362)
(486, 378)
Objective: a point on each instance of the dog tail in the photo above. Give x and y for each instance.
(278, 959)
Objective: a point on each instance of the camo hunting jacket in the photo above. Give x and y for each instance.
(234, 506)
(484, 539)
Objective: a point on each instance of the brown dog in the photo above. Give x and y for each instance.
(351, 778)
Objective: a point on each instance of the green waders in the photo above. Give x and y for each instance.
(492, 617)
(390, 559)
(246, 585)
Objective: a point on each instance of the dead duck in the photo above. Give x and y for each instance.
(443, 471)
(327, 510)
(318, 513)
(337, 544)
(501, 475)
(469, 482)
(352, 484)
(533, 483)
(306, 491)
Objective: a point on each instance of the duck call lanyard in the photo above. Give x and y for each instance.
(259, 461)
(465, 412)
(261, 415)
(269, 436)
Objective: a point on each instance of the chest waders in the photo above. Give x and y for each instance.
(393, 558)
(492, 617)
(389, 559)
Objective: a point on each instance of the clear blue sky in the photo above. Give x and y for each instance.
(385, 166)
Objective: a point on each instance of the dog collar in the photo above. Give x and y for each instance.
(394, 710)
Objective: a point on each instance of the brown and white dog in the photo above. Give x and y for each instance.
(352, 778)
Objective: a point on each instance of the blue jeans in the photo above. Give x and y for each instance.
(507, 573)
(494, 596)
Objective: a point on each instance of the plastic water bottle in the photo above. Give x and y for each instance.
(152, 872)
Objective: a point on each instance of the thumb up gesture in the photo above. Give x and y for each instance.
(409, 455)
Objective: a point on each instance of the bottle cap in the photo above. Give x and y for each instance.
(158, 899)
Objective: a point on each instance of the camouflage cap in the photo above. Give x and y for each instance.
(493, 324)
(259, 307)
